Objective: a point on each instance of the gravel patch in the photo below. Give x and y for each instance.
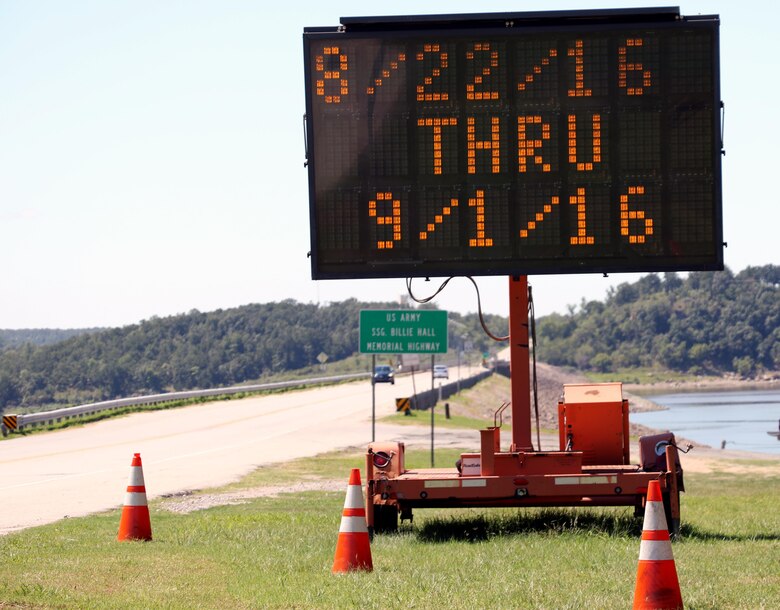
(191, 501)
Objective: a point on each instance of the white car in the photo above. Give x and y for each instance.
(440, 371)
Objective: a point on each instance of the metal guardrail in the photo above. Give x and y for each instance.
(422, 400)
(51, 417)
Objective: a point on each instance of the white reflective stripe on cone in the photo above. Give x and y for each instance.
(136, 476)
(135, 498)
(354, 497)
(655, 517)
(353, 525)
(655, 550)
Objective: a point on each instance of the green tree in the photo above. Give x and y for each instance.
(709, 321)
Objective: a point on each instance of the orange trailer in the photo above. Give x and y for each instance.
(592, 466)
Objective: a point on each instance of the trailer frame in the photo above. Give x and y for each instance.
(522, 475)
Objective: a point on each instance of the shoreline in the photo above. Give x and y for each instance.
(726, 383)
(641, 396)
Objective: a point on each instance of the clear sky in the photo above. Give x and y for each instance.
(151, 157)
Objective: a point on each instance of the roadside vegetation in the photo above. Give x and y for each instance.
(648, 376)
(704, 324)
(661, 326)
(423, 418)
(276, 551)
(250, 344)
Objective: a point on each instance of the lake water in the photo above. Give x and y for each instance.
(741, 418)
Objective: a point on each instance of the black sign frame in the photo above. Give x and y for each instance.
(357, 221)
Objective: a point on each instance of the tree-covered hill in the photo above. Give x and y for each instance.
(707, 322)
(38, 336)
(194, 350)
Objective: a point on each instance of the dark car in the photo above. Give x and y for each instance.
(383, 373)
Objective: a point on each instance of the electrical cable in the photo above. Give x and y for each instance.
(425, 299)
(532, 320)
(440, 288)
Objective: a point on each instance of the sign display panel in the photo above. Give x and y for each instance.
(403, 331)
(561, 143)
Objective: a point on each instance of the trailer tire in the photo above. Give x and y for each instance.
(672, 522)
(672, 519)
(385, 519)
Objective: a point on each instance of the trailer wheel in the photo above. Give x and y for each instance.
(672, 513)
(385, 519)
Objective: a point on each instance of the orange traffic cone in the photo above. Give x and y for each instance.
(135, 523)
(353, 550)
(657, 587)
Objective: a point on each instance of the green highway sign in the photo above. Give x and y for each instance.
(403, 331)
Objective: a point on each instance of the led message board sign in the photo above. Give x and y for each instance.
(514, 144)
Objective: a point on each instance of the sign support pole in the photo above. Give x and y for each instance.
(519, 363)
(414, 388)
(459, 350)
(433, 406)
(373, 398)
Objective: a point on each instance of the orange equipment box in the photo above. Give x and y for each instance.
(593, 418)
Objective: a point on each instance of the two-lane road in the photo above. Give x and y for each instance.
(73, 472)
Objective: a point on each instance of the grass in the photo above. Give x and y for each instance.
(644, 376)
(482, 400)
(460, 422)
(423, 418)
(277, 553)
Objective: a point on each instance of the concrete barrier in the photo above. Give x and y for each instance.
(429, 398)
